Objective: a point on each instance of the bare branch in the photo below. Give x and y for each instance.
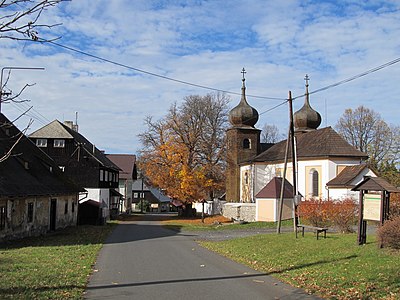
(22, 21)
(21, 135)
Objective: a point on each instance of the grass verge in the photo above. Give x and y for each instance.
(51, 267)
(335, 267)
(217, 223)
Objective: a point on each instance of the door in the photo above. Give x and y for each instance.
(53, 214)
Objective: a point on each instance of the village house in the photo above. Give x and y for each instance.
(85, 165)
(328, 167)
(127, 164)
(35, 196)
(154, 198)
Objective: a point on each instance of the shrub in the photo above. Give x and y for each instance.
(339, 213)
(343, 214)
(389, 233)
(314, 212)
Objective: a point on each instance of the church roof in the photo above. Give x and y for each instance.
(320, 143)
(273, 189)
(347, 176)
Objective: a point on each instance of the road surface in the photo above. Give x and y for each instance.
(143, 260)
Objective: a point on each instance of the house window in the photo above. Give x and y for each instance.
(66, 208)
(110, 176)
(246, 144)
(30, 212)
(314, 183)
(59, 143)
(101, 175)
(41, 143)
(135, 195)
(105, 175)
(3, 212)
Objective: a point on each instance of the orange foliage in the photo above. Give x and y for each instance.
(169, 168)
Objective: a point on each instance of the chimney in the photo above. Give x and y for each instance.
(71, 125)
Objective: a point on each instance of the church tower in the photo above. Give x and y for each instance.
(306, 118)
(243, 143)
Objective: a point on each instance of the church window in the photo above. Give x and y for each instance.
(246, 144)
(314, 183)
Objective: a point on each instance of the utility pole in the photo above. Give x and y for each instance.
(293, 161)
(1, 79)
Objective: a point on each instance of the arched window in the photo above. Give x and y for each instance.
(314, 183)
(246, 144)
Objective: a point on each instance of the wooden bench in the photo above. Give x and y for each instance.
(317, 230)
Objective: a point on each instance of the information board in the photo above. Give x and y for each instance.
(372, 207)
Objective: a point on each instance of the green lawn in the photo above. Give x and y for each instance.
(50, 267)
(335, 267)
(178, 224)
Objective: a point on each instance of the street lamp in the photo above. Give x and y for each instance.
(1, 79)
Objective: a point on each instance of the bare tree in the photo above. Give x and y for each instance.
(21, 19)
(270, 134)
(368, 132)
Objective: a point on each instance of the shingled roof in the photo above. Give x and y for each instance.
(126, 162)
(375, 184)
(56, 129)
(346, 177)
(321, 143)
(28, 171)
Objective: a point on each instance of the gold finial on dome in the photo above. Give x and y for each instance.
(306, 118)
(243, 115)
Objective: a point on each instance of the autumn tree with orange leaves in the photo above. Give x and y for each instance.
(183, 153)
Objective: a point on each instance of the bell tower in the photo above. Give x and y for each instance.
(243, 143)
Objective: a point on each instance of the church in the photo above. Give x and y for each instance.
(327, 166)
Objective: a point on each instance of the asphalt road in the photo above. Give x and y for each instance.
(143, 260)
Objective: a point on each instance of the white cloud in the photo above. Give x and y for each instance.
(206, 43)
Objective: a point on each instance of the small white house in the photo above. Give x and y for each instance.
(268, 199)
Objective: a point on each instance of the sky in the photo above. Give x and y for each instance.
(205, 43)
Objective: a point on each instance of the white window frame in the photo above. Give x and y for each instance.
(42, 143)
(59, 143)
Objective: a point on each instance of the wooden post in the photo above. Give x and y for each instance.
(278, 229)
(361, 225)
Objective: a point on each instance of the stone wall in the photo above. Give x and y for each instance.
(240, 211)
(18, 225)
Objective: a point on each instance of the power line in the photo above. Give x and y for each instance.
(157, 75)
(390, 63)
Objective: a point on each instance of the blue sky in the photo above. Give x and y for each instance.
(205, 43)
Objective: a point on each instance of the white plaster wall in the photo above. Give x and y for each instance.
(261, 174)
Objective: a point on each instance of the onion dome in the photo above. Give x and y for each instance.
(243, 115)
(306, 118)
